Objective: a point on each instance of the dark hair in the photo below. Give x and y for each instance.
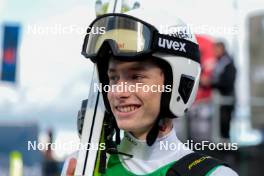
(221, 44)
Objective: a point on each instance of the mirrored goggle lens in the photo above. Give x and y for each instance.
(129, 35)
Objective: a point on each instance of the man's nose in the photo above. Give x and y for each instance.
(121, 89)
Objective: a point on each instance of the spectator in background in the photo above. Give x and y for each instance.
(208, 60)
(223, 80)
(200, 114)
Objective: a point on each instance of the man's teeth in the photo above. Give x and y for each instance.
(126, 108)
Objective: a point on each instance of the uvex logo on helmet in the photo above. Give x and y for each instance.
(170, 44)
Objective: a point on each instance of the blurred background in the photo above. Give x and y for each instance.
(44, 79)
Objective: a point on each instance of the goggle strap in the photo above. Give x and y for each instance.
(176, 46)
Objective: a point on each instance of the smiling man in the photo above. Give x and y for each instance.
(135, 111)
(130, 53)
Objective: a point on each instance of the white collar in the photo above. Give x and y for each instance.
(140, 150)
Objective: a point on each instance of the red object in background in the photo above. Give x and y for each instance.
(9, 55)
(208, 60)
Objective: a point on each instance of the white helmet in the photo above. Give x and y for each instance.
(185, 71)
(138, 33)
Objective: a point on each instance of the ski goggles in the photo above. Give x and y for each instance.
(130, 37)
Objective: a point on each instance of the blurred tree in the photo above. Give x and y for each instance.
(104, 7)
(125, 7)
(101, 8)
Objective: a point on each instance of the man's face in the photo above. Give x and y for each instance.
(219, 50)
(135, 110)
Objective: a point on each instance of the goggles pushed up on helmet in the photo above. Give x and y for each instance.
(130, 37)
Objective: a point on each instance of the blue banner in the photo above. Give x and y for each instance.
(9, 56)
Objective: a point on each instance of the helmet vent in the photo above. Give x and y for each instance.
(185, 88)
(178, 98)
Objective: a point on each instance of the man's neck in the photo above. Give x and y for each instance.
(164, 130)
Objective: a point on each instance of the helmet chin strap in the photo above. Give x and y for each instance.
(153, 133)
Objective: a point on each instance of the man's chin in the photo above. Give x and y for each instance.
(126, 126)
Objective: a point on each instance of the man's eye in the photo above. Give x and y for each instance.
(137, 76)
(113, 78)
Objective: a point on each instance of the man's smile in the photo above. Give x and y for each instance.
(127, 108)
